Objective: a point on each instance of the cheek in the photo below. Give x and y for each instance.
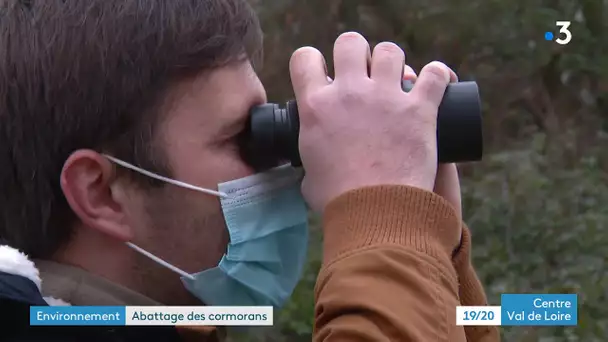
(205, 165)
(211, 167)
(187, 228)
(231, 166)
(202, 240)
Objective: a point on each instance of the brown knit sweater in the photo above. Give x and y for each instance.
(395, 268)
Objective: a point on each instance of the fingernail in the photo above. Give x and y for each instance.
(444, 69)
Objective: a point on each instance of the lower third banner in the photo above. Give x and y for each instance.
(151, 315)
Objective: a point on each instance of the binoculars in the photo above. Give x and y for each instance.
(272, 132)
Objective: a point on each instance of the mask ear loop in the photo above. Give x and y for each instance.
(161, 261)
(165, 179)
(170, 181)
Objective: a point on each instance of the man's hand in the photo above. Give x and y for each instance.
(362, 129)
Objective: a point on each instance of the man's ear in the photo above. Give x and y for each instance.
(89, 185)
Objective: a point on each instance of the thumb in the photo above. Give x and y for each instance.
(432, 82)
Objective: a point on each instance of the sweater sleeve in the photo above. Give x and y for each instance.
(471, 291)
(388, 272)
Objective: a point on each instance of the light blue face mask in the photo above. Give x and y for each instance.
(267, 221)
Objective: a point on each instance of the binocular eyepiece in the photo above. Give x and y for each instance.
(272, 132)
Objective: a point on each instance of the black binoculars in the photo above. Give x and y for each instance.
(272, 132)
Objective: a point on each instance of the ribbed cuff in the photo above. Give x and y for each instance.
(390, 214)
(470, 289)
(462, 255)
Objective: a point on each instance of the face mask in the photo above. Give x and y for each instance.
(267, 221)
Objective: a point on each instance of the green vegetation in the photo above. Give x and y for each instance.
(537, 203)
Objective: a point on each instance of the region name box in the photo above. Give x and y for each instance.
(539, 309)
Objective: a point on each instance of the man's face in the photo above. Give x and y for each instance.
(199, 134)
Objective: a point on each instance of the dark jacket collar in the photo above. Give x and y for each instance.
(19, 289)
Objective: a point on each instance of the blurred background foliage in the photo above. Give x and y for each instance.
(537, 203)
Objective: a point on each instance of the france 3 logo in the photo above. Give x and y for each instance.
(563, 37)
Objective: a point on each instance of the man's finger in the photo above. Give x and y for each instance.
(308, 70)
(409, 74)
(351, 56)
(432, 82)
(388, 62)
(453, 76)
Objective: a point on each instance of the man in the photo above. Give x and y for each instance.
(120, 129)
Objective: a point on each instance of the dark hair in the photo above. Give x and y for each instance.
(90, 74)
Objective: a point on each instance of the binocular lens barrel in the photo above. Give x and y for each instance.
(274, 131)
